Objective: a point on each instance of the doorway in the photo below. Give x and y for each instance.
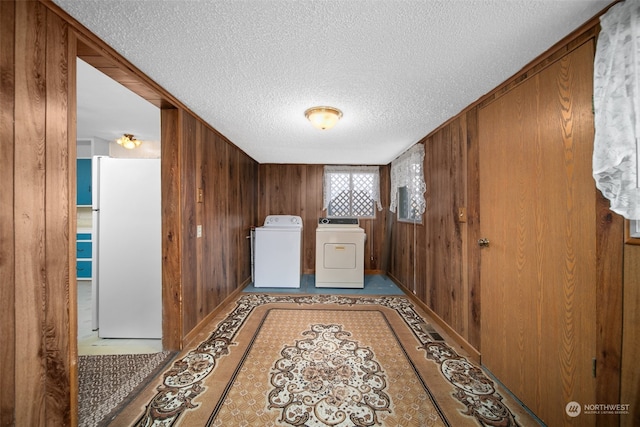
(104, 108)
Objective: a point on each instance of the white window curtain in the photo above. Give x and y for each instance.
(407, 171)
(616, 102)
(374, 192)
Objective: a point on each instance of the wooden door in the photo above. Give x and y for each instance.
(537, 206)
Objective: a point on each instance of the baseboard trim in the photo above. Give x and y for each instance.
(365, 272)
(193, 333)
(474, 354)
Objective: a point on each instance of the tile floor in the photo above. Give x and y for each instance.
(375, 284)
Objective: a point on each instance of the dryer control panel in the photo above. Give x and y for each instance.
(342, 222)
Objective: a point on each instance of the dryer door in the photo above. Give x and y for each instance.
(339, 255)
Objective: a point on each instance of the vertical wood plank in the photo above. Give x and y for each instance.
(234, 219)
(311, 211)
(615, 285)
(210, 250)
(189, 257)
(473, 228)
(72, 44)
(57, 332)
(247, 201)
(171, 230)
(30, 263)
(219, 218)
(198, 297)
(7, 219)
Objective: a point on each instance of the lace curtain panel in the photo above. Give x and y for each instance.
(326, 187)
(407, 171)
(616, 102)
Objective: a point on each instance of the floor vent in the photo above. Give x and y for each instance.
(427, 328)
(436, 336)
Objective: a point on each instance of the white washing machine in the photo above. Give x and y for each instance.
(278, 252)
(339, 253)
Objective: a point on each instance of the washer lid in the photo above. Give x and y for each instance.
(283, 221)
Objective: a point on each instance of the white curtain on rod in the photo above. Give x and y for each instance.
(616, 103)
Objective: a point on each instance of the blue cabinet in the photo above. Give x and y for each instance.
(84, 252)
(83, 269)
(83, 249)
(83, 167)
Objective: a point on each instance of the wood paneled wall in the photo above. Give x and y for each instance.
(38, 324)
(37, 218)
(439, 261)
(212, 184)
(297, 190)
(430, 259)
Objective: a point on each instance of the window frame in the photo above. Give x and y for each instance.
(402, 208)
(374, 191)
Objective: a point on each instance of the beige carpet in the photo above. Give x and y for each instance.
(278, 360)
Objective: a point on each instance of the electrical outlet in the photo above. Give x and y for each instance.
(199, 231)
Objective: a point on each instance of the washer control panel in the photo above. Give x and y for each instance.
(283, 221)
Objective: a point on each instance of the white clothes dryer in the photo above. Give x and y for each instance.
(339, 253)
(278, 252)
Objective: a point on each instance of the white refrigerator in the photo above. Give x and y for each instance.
(127, 260)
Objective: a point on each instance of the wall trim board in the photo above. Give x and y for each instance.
(473, 353)
(190, 337)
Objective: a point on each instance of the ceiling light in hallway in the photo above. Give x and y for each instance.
(128, 141)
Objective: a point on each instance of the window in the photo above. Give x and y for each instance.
(408, 205)
(351, 191)
(407, 185)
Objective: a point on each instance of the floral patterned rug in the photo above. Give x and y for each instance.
(320, 360)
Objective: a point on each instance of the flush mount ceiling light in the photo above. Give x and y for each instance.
(323, 117)
(128, 141)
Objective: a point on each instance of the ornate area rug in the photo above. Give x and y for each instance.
(278, 360)
(106, 383)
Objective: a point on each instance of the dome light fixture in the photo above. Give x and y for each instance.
(323, 117)
(128, 141)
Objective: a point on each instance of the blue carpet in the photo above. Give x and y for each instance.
(374, 284)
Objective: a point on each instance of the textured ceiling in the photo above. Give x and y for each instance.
(397, 69)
